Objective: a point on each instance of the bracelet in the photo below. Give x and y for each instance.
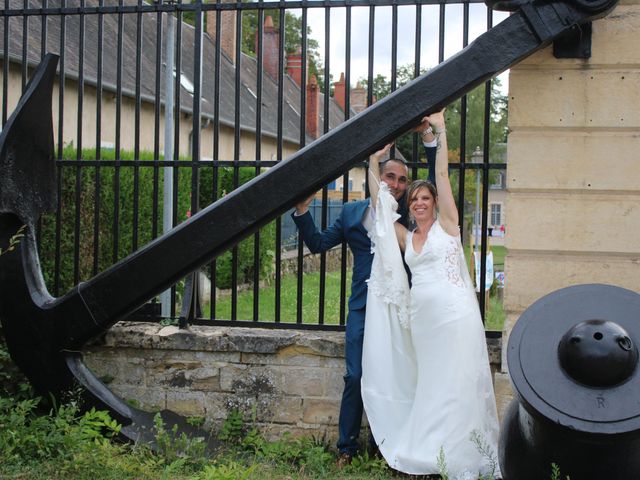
(438, 132)
(428, 130)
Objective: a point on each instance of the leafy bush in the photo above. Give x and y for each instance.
(92, 196)
(27, 438)
(228, 180)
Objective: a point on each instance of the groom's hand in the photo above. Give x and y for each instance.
(425, 129)
(303, 206)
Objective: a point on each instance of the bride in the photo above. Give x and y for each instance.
(426, 381)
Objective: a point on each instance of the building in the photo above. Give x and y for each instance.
(114, 97)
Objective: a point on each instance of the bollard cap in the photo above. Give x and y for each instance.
(573, 358)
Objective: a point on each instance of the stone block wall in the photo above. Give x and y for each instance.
(286, 380)
(573, 173)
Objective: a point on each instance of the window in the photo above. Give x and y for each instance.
(498, 180)
(496, 214)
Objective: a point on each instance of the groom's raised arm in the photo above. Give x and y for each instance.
(429, 143)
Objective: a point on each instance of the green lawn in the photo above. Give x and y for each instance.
(288, 300)
(310, 303)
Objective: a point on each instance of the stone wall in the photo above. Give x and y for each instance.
(288, 380)
(573, 171)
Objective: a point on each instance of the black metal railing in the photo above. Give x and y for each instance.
(237, 110)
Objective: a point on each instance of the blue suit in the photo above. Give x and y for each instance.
(348, 227)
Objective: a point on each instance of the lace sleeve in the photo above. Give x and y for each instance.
(388, 279)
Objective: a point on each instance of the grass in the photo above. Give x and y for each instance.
(66, 443)
(494, 317)
(288, 300)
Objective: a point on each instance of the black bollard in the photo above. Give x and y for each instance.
(573, 361)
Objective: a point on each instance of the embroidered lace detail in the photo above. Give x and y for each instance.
(452, 264)
(388, 280)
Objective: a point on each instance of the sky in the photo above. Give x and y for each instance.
(453, 40)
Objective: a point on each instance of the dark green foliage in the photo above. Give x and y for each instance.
(228, 179)
(97, 187)
(189, 452)
(100, 187)
(233, 428)
(28, 438)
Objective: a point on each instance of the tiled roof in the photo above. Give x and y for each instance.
(148, 56)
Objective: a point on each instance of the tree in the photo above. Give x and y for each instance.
(474, 115)
(475, 120)
(292, 37)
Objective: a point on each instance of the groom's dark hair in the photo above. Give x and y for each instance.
(383, 165)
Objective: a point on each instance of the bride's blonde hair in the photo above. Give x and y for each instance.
(417, 185)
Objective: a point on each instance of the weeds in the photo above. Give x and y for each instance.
(66, 443)
(555, 473)
(178, 450)
(442, 465)
(366, 463)
(14, 241)
(487, 452)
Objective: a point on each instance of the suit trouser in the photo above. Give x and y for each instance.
(351, 406)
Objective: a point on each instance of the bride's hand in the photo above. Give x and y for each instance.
(380, 154)
(437, 121)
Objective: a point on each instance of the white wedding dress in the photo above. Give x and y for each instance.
(426, 381)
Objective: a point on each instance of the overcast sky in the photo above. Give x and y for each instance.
(406, 36)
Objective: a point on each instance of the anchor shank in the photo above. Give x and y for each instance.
(121, 289)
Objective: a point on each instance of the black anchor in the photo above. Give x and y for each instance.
(45, 335)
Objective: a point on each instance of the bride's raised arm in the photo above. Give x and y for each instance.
(374, 173)
(447, 210)
(374, 188)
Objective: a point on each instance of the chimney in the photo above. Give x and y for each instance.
(294, 66)
(338, 92)
(313, 102)
(358, 98)
(227, 30)
(270, 46)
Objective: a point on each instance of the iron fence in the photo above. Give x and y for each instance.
(164, 107)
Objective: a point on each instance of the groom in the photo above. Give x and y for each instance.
(352, 226)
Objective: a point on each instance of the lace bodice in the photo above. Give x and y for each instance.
(440, 260)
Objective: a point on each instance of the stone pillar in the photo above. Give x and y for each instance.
(227, 32)
(573, 175)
